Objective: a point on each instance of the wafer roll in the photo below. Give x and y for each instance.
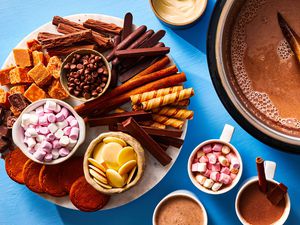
(135, 99)
(167, 99)
(174, 112)
(182, 103)
(151, 123)
(168, 121)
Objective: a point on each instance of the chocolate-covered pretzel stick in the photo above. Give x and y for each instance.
(131, 53)
(153, 147)
(127, 25)
(135, 99)
(168, 121)
(262, 181)
(167, 99)
(175, 112)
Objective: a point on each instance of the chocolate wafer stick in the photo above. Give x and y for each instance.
(176, 142)
(114, 69)
(262, 181)
(127, 26)
(153, 147)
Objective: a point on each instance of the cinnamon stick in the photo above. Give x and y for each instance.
(102, 27)
(153, 147)
(67, 40)
(262, 181)
(63, 51)
(107, 105)
(45, 35)
(127, 25)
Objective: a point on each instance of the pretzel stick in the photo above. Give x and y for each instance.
(168, 121)
(175, 112)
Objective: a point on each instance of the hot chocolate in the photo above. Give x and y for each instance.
(255, 207)
(263, 64)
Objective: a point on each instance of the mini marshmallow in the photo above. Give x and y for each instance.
(43, 130)
(233, 176)
(40, 138)
(57, 109)
(199, 167)
(208, 183)
(212, 158)
(225, 170)
(37, 146)
(59, 117)
(46, 145)
(65, 112)
(39, 111)
(217, 154)
(50, 137)
(55, 153)
(52, 128)
(200, 179)
(34, 119)
(31, 150)
(216, 167)
(70, 118)
(200, 154)
(48, 157)
(209, 166)
(234, 170)
(64, 140)
(51, 118)
(203, 159)
(216, 186)
(217, 147)
(62, 124)
(31, 132)
(43, 120)
(30, 142)
(207, 173)
(25, 121)
(67, 130)
(50, 105)
(235, 163)
(63, 152)
(225, 150)
(230, 156)
(207, 149)
(74, 123)
(223, 160)
(74, 133)
(39, 155)
(59, 133)
(214, 176)
(72, 143)
(225, 179)
(56, 144)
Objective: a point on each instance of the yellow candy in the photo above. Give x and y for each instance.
(126, 154)
(97, 176)
(97, 170)
(114, 178)
(107, 186)
(97, 152)
(110, 153)
(127, 167)
(99, 165)
(114, 139)
(131, 175)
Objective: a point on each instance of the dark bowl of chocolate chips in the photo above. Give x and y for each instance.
(85, 74)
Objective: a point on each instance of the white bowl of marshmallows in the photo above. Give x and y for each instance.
(49, 131)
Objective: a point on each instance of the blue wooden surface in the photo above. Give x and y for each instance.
(188, 47)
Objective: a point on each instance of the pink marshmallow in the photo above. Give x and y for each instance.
(65, 112)
(43, 120)
(216, 167)
(217, 147)
(50, 137)
(203, 159)
(31, 150)
(43, 130)
(212, 158)
(207, 148)
(235, 163)
(218, 154)
(51, 118)
(74, 123)
(67, 131)
(233, 176)
(48, 157)
(59, 117)
(74, 133)
(207, 173)
(39, 155)
(214, 176)
(63, 152)
(195, 160)
(225, 170)
(56, 144)
(70, 118)
(199, 167)
(46, 145)
(225, 178)
(230, 156)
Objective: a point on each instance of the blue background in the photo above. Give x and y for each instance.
(18, 205)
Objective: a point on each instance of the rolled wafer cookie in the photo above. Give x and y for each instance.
(182, 103)
(168, 121)
(138, 98)
(167, 99)
(151, 123)
(174, 112)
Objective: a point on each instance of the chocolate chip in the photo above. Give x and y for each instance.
(79, 66)
(86, 95)
(73, 67)
(102, 85)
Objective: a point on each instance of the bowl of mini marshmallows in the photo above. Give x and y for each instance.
(49, 131)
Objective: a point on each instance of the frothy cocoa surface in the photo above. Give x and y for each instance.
(179, 210)
(264, 66)
(256, 209)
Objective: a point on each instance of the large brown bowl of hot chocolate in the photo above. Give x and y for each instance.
(254, 71)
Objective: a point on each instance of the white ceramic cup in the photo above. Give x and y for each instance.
(270, 168)
(224, 139)
(184, 193)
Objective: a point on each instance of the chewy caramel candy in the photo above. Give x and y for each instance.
(15, 111)
(3, 98)
(22, 57)
(34, 93)
(37, 57)
(34, 45)
(19, 75)
(40, 74)
(54, 66)
(4, 76)
(17, 89)
(57, 91)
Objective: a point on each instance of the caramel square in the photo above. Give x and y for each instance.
(34, 45)
(54, 66)
(15, 111)
(34, 93)
(40, 74)
(57, 91)
(17, 89)
(22, 57)
(37, 57)
(19, 75)
(3, 98)
(4, 76)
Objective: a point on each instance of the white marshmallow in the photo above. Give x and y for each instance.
(31, 132)
(52, 128)
(31, 142)
(34, 119)
(40, 138)
(216, 186)
(57, 109)
(37, 146)
(62, 124)
(59, 133)
(55, 153)
(208, 183)
(200, 179)
(39, 111)
(50, 105)
(72, 143)
(25, 120)
(64, 141)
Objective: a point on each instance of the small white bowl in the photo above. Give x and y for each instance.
(18, 132)
(184, 193)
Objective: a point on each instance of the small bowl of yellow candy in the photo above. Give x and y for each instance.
(114, 162)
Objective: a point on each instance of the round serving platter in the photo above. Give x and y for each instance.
(154, 171)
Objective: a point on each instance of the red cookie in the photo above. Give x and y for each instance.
(85, 197)
(31, 173)
(50, 181)
(14, 163)
(71, 170)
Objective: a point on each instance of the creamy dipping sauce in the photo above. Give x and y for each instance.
(179, 11)
(177, 211)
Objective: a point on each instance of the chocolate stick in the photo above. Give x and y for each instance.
(45, 35)
(127, 26)
(114, 69)
(153, 147)
(131, 53)
(176, 142)
(63, 51)
(262, 181)
(100, 26)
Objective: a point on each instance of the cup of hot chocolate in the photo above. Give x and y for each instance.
(255, 207)
(180, 207)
